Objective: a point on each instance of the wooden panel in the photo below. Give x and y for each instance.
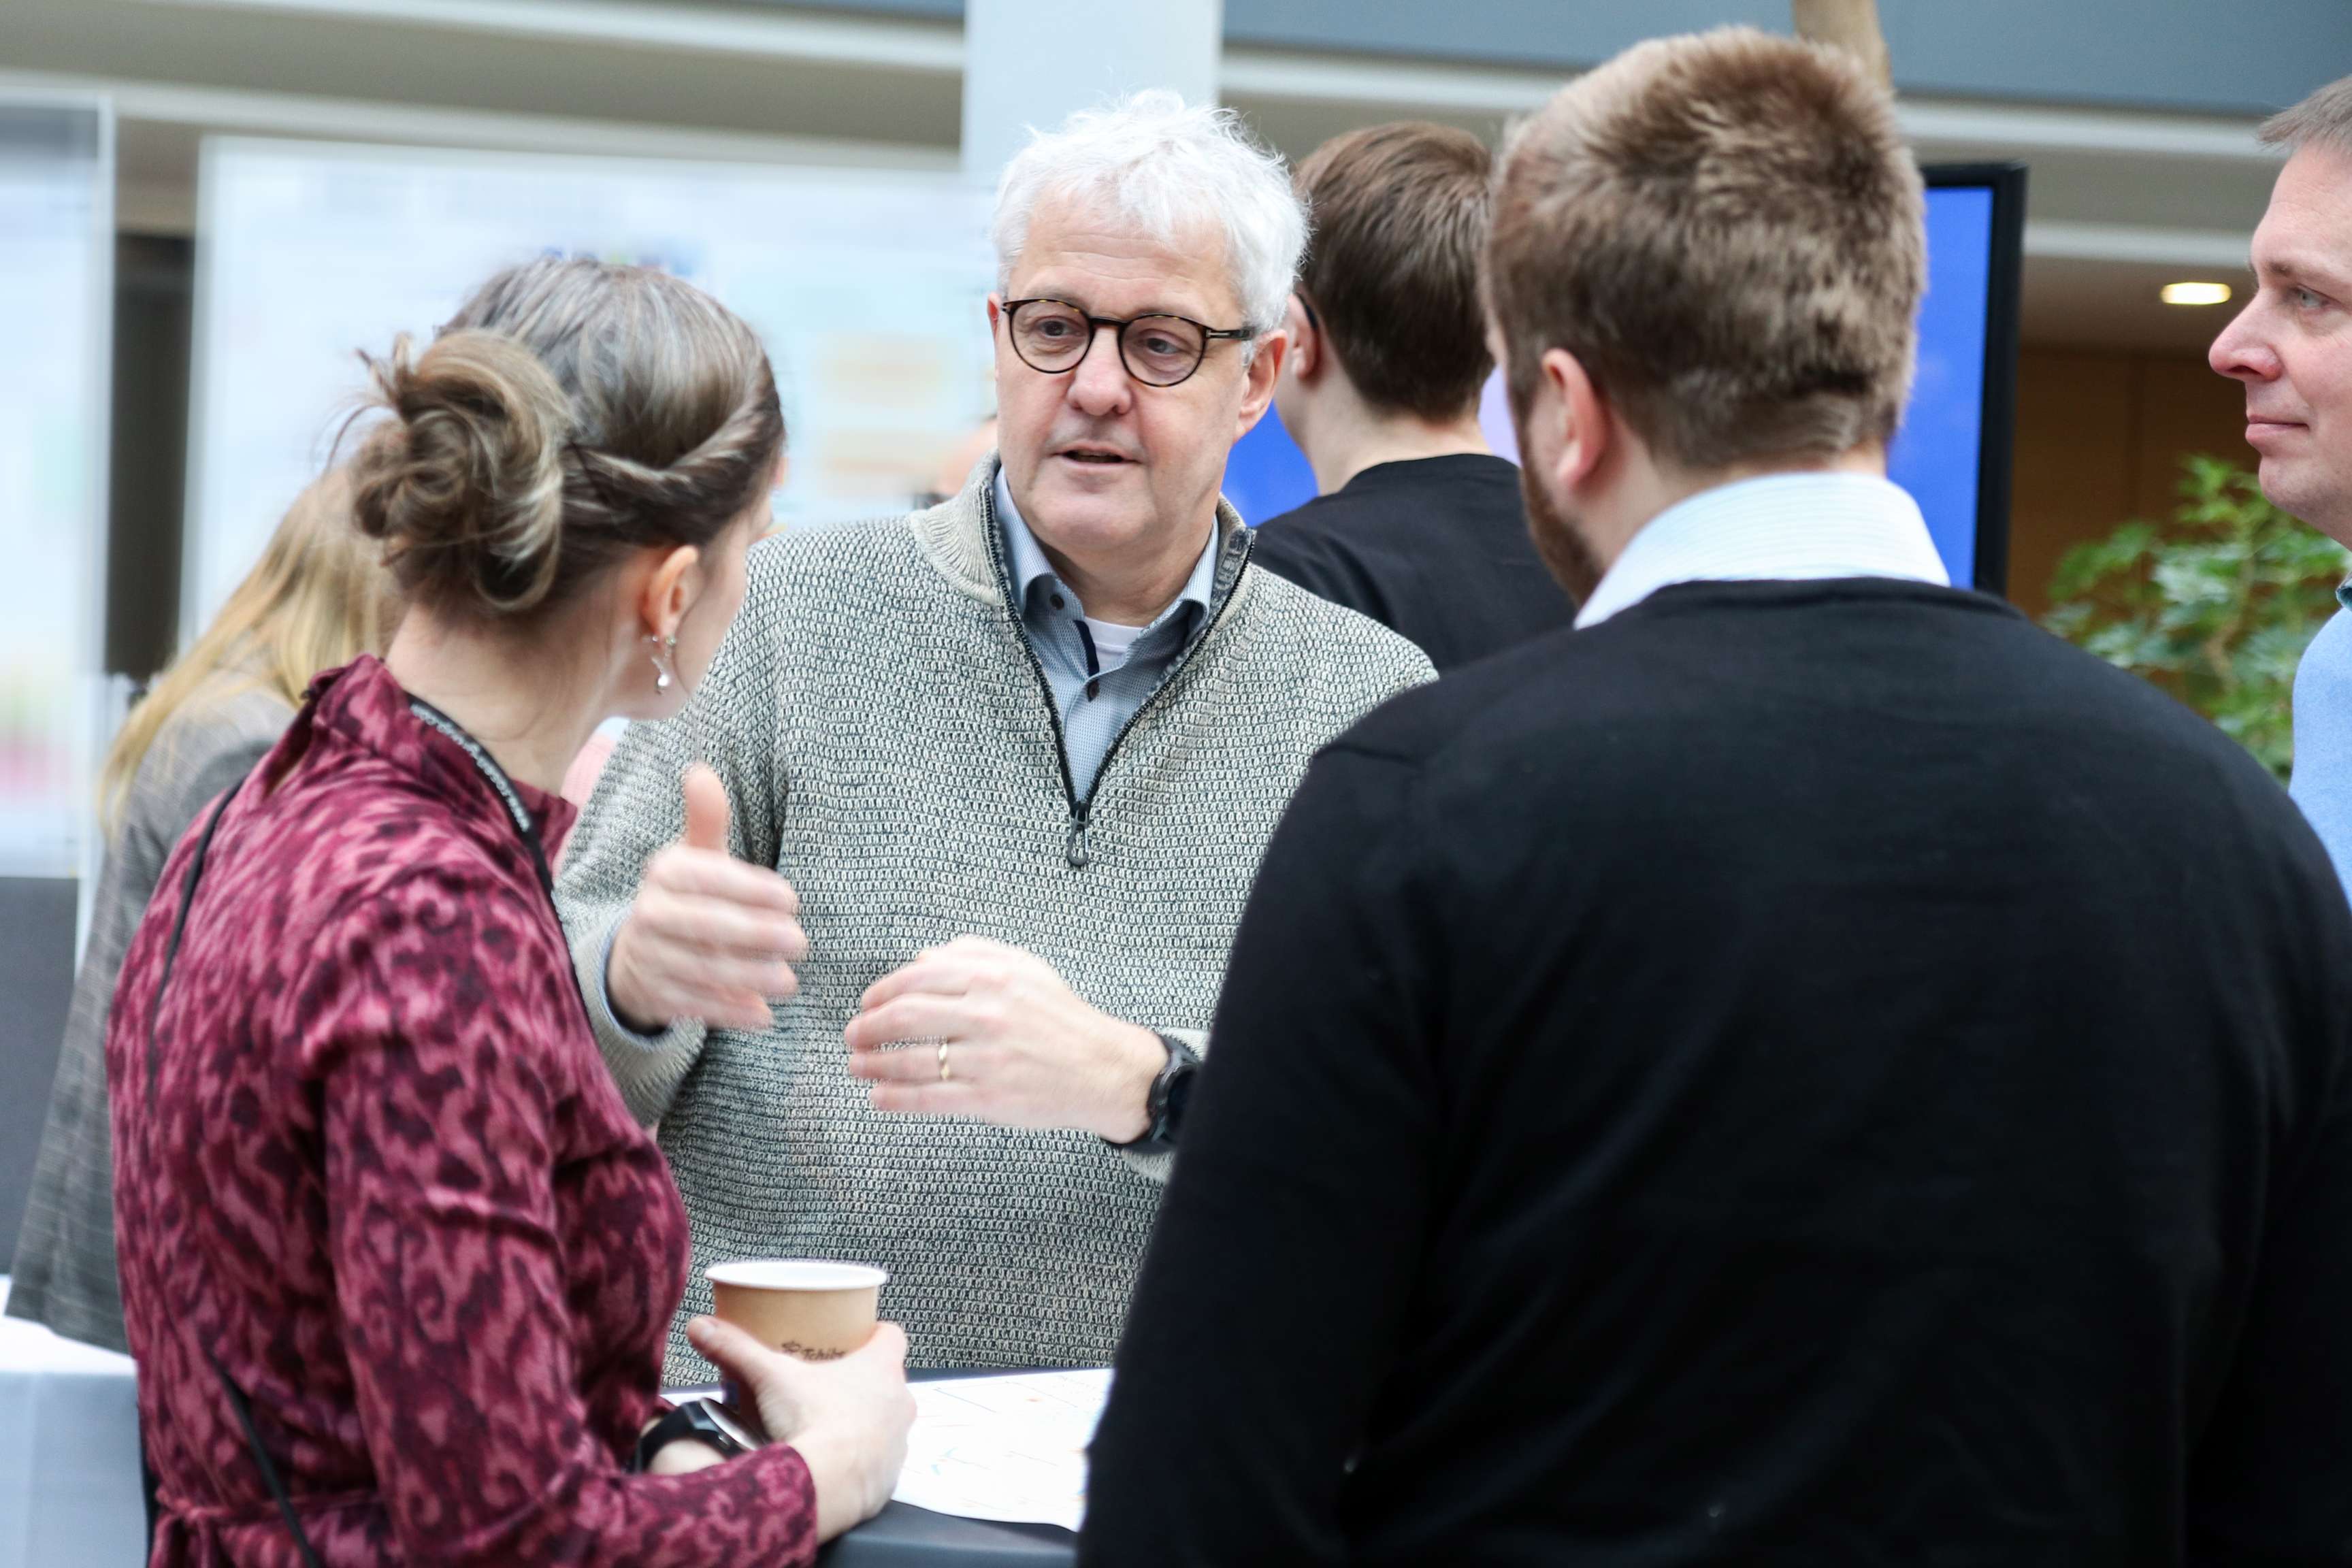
(2073, 469)
(2100, 436)
(2184, 408)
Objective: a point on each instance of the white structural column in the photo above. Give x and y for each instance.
(1029, 62)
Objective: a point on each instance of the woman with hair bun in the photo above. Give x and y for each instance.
(397, 1263)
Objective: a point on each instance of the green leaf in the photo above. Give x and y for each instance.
(2087, 564)
(2216, 604)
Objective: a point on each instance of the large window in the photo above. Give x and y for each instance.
(56, 246)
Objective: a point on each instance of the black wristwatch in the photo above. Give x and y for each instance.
(704, 1420)
(1163, 1106)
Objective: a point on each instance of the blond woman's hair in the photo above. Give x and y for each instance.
(1729, 233)
(317, 598)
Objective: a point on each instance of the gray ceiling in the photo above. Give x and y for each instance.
(2212, 57)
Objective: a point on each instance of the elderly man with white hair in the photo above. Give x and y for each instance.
(919, 979)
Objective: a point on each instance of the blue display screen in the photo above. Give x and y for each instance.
(1936, 456)
(1267, 474)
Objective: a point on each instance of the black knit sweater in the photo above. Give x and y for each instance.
(1799, 1073)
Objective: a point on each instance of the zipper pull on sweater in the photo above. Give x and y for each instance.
(1076, 850)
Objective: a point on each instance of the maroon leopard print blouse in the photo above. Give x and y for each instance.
(384, 1177)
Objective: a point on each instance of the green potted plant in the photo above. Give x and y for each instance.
(2215, 606)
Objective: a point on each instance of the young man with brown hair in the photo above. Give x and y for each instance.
(1809, 1068)
(1419, 525)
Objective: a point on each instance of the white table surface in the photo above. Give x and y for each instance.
(69, 1488)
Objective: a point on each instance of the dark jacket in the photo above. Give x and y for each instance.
(1798, 1073)
(1435, 549)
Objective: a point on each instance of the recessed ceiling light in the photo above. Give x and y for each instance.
(2196, 294)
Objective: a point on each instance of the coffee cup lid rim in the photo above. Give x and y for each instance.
(829, 1274)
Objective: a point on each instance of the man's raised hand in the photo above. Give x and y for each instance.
(708, 937)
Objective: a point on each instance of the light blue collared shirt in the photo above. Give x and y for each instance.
(2322, 735)
(1779, 528)
(1094, 703)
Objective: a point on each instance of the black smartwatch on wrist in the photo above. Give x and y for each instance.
(1163, 1106)
(705, 1421)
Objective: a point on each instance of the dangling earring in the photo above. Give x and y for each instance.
(665, 650)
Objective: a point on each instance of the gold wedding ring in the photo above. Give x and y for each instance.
(943, 1061)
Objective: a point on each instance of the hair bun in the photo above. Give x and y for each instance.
(571, 415)
(464, 482)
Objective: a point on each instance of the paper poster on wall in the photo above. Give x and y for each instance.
(866, 285)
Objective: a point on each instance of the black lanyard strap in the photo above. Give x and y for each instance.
(488, 767)
(179, 928)
(236, 1399)
(244, 1408)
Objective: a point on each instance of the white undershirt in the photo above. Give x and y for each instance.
(1776, 527)
(1113, 642)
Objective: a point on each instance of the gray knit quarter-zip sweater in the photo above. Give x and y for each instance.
(887, 744)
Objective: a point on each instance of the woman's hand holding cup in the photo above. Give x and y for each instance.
(848, 1417)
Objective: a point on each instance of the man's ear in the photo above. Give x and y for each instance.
(1585, 424)
(1265, 370)
(1305, 342)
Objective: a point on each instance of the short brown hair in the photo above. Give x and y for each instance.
(1728, 234)
(2324, 117)
(1399, 218)
(572, 411)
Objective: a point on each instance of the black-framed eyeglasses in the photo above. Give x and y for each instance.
(1052, 335)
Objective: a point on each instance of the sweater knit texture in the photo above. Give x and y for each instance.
(64, 1273)
(886, 743)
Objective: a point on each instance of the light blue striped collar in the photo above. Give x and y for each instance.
(1779, 528)
(1025, 559)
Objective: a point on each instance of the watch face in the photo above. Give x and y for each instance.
(1180, 1094)
(727, 1423)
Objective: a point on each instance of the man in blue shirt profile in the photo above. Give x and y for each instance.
(2292, 347)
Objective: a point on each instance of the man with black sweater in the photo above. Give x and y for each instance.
(1805, 1069)
(1419, 525)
